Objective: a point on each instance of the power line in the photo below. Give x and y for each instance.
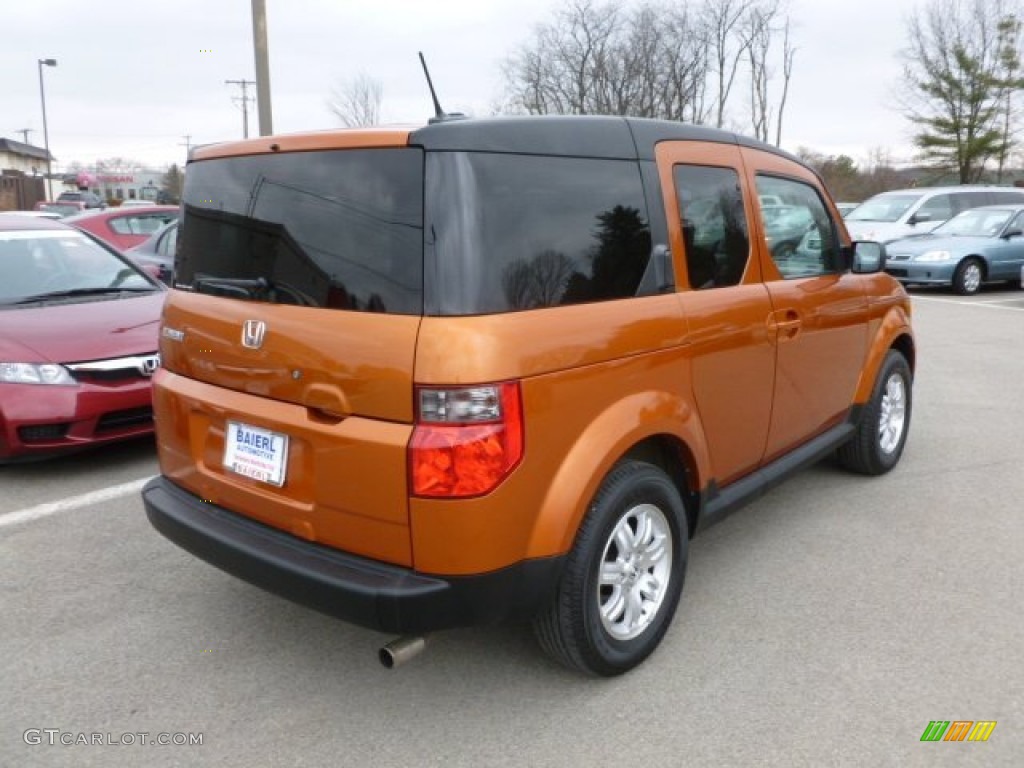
(24, 134)
(245, 102)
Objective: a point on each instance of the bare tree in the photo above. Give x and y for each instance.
(356, 102)
(675, 61)
(723, 20)
(788, 55)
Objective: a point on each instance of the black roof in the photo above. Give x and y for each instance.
(20, 148)
(626, 138)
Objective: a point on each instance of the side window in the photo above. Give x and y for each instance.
(799, 233)
(939, 208)
(1017, 223)
(166, 244)
(512, 232)
(714, 225)
(122, 226)
(1006, 198)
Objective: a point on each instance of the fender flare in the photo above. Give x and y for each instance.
(893, 331)
(611, 435)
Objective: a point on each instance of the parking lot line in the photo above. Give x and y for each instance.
(992, 304)
(73, 502)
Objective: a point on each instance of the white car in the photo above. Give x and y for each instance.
(136, 203)
(903, 212)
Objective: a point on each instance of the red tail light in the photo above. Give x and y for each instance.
(466, 440)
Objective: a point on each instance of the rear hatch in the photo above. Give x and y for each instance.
(289, 343)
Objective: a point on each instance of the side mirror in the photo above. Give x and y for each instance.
(917, 218)
(868, 257)
(1015, 232)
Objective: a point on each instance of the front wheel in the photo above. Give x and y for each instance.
(623, 576)
(968, 277)
(878, 443)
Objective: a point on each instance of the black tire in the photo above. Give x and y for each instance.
(571, 628)
(968, 277)
(874, 448)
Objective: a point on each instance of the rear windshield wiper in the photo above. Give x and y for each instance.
(258, 288)
(76, 292)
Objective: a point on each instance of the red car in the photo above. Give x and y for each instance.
(78, 341)
(124, 227)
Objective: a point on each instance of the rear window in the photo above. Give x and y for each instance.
(514, 232)
(340, 229)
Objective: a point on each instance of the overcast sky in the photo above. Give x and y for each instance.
(135, 78)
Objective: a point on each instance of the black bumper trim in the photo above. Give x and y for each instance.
(371, 594)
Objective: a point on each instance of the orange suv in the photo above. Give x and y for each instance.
(504, 369)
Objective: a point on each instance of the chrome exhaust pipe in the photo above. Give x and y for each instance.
(400, 650)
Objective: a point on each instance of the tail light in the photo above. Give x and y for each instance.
(466, 439)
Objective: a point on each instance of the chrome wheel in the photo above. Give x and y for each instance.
(972, 277)
(893, 413)
(635, 569)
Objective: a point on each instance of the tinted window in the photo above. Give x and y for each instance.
(939, 208)
(510, 232)
(801, 238)
(714, 225)
(339, 229)
(1007, 197)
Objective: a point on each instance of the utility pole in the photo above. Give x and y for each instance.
(259, 44)
(245, 103)
(187, 144)
(24, 134)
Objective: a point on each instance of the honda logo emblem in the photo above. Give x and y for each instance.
(252, 333)
(148, 365)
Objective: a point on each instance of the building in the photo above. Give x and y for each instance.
(17, 156)
(116, 186)
(22, 169)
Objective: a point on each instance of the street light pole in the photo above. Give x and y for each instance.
(46, 133)
(259, 44)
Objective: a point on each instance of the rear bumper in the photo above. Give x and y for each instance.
(371, 594)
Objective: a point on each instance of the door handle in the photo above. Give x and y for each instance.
(785, 323)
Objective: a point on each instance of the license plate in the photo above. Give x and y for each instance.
(256, 453)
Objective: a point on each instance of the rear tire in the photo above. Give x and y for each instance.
(623, 577)
(878, 443)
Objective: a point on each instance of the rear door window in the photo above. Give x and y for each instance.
(714, 225)
(339, 228)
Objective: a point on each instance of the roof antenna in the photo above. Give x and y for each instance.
(440, 115)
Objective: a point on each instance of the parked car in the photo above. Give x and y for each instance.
(892, 215)
(785, 226)
(979, 246)
(62, 209)
(136, 203)
(78, 341)
(492, 370)
(124, 228)
(157, 251)
(88, 199)
(32, 214)
(845, 208)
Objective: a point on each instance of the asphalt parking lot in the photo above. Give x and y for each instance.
(826, 625)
